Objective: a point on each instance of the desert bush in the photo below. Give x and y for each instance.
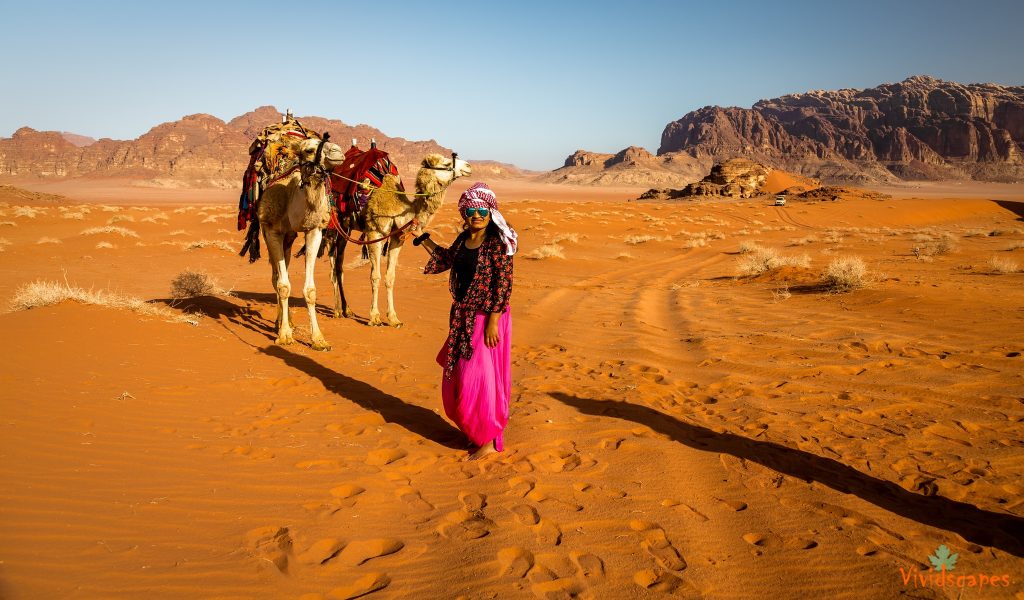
(761, 260)
(781, 293)
(8, 223)
(48, 240)
(639, 239)
(26, 211)
(999, 264)
(102, 245)
(845, 273)
(566, 237)
(47, 293)
(77, 216)
(121, 219)
(4, 242)
(189, 284)
(121, 231)
(803, 241)
(219, 244)
(748, 247)
(1011, 248)
(546, 251)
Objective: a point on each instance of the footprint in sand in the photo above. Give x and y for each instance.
(321, 551)
(521, 486)
(469, 523)
(525, 515)
(514, 562)
(371, 582)
(588, 488)
(658, 546)
(412, 499)
(384, 456)
(272, 544)
(361, 551)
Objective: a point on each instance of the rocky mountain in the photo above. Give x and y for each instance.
(631, 166)
(198, 150)
(919, 128)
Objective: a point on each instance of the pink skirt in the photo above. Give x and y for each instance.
(476, 397)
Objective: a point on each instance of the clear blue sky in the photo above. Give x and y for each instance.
(522, 82)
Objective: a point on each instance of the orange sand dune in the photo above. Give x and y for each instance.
(676, 430)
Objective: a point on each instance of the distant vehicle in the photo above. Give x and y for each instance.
(780, 200)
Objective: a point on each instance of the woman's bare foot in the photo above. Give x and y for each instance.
(483, 451)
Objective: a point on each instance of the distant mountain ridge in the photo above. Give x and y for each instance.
(919, 128)
(197, 151)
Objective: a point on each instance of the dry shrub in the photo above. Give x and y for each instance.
(219, 244)
(105, 245)
(48, 293)
(761, 260)
(781, 293)
(546, 251)
(748, 247)
(8, 223)
(26, 211)
(999, 264)
(638, 239)
(48, 240)
(121, 219)
(121, 231)
(1013, 246)
(78, 216)
(189, 284)
(803, 241)
(4, 242)
(845, 273)
(566, 237)
(178, 232)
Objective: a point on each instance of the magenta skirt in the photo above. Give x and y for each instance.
(476, 397)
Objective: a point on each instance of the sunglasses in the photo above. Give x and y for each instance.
(480, 212)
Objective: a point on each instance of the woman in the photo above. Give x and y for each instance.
(476, 358)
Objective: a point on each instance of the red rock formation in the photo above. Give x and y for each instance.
(918, 128)
(197, 150)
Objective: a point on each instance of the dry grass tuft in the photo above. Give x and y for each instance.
(189, 284)
(4, 242)
(77, 216)
(999, 264)
(48, 240)
(761, 260)
(48, 293)
(121, 231)
(803, 241)
(546, 251)
(845, 274)
(198, 244)
(121, 219)
(566, 237)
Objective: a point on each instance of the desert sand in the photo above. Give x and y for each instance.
(678, 429)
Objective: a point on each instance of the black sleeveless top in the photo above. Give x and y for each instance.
(464, 268)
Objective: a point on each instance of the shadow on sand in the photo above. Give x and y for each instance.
(1014, 206)
(418, 420)
(998, 530)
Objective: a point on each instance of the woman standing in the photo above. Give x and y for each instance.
(477, 358)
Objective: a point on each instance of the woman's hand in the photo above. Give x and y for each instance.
(491, 337)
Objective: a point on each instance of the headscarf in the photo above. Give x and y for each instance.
(480, 196)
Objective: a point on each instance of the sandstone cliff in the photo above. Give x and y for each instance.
(920, 128)
(631, 166)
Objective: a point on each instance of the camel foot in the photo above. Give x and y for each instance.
(284, 340)
(349, 313)
(374, 321)
(322, 345)
(395, 323)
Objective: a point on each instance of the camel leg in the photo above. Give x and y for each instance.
(341, 308)
(313, 239)
(279, 269)
(389, 280)
(374, 251)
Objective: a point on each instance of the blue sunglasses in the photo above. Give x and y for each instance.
(481, 212)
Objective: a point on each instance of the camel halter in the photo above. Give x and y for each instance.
(315, 163)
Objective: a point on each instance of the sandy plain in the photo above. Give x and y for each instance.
(678, 429)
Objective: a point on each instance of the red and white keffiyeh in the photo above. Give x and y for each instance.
(480, 196)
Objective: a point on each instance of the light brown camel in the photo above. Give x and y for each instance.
(387, 210)
(297, 203)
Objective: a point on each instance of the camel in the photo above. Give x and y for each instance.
(388, 210)
(297, 203)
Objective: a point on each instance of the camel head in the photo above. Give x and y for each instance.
(457, 166)
(317, 156)
(331, 156)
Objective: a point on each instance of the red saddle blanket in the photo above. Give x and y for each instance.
(361, 166)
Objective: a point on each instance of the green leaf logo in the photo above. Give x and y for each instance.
(943, 560)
